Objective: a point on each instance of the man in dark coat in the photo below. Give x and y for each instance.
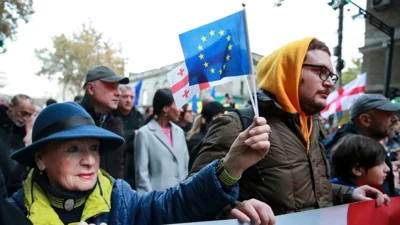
(132, 120)
(100, 100)
(12, 132)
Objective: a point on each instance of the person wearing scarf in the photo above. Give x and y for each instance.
(66, 186)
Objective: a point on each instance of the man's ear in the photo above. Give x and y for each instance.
(90, 88)
(365, 120)
(39, 161)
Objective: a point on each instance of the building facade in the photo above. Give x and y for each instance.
(374, 51)
(157, 78)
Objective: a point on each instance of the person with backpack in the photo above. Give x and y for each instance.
(294, 83)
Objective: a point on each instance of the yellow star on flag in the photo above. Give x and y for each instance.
(201, 56)
(224, 66)
(228, 57)
(221, 32)
(228, 37)
(205, 64)
(212, 70)
(203, 38)
(220, 71)
(230, 47)
(200, 47)
(212, 33)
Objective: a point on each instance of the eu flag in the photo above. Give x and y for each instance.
(216, 50)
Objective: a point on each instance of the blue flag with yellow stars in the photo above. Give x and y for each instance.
(216, 50)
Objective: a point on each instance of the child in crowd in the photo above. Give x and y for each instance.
(358, 160)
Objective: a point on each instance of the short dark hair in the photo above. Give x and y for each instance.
(50, 101)
(356, 151)
(78, 98)
(318, 45)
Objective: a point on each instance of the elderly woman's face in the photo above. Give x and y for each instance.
(71, 165)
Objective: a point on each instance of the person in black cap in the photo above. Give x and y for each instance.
(371, 115)
(100, 101)
(209, 113)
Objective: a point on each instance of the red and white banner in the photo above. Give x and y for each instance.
(361, 213)
(344, 97)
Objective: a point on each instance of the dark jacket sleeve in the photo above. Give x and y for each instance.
(341, 194)
(198, 198)
(9, 215)
(217, 142)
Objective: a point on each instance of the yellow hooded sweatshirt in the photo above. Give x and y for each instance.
(279, 74)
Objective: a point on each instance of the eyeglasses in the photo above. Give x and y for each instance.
(324, 73)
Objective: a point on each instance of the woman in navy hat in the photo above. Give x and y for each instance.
(66, 186)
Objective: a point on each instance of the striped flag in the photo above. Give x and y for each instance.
(341, 99)
(182, 91)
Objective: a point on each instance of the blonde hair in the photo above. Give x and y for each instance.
(196, 128)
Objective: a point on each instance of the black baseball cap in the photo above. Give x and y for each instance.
(367, 102)
(104, 73)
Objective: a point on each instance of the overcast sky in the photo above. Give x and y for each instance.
(148, 30)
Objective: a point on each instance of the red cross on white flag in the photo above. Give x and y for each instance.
(182, 91)
(342, 98)
(179, 81)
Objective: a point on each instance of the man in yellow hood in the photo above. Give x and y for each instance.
(294, 82)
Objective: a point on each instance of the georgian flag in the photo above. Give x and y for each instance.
(342, 99)
(182, 91)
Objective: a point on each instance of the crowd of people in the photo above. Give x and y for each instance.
(99, 160)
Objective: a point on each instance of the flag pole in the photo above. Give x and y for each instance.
(255, 107)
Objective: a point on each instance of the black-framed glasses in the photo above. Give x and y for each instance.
(324, 72)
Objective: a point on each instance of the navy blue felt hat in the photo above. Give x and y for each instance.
(62, 121)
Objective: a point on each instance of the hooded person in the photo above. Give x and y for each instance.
(294, 82)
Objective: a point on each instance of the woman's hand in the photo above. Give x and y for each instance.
(249, 147)
(254, 211)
